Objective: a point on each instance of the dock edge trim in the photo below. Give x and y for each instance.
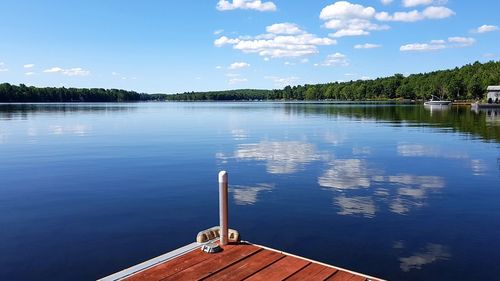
(152, 262)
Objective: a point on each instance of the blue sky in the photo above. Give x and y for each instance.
(174, 46)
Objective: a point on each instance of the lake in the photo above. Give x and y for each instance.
(400, 192)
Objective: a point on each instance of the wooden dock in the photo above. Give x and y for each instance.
(237, 261)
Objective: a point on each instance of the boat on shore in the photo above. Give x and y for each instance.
(437, 102)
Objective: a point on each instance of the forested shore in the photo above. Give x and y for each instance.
(468, 82)
(23, 93)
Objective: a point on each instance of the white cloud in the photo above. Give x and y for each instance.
(433, 45)
(53, 70)
(349, 19)
(218, 67)
(386, 2)
(485, 28)
(284, 28)
(412, 16)
(367, 46)
(225, 5)
(76, 71)
(344, 9)
(277, 45)
(400, 16)
(462, 41)
(2, 67)
(413, 3)
(238, 65)
(437, 12)
(233, 81)
(29, 73)
(336, 59)
(218, 31)
(421, 47)
(438, 41)
(283, 81)
(28, 65)
(223, 40)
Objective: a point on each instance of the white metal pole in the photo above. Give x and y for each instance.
(223, 184)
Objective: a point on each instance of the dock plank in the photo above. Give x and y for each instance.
(215, 263)
(342, 276)
(313, 271)
(281, 269)
(248, 266)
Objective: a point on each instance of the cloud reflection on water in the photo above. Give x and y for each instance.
(346, 174)
(364, 150)
(335, 139)
(285, 157)
(400, 193)
(430, 254)
(421, 150)
(478, 167)
(402, 206)
(357, 205)
(78, 129)
(363, 189)
(239, 134)
(248, 195)
(411, 191)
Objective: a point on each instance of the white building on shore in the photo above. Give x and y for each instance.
(493, 95)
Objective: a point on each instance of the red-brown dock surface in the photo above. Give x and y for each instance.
(241, 261)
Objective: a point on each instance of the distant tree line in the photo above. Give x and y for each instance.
(242, 94)
(465, 83)
(22, 93)
(468, 82)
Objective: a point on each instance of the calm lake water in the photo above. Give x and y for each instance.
(399, 192)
